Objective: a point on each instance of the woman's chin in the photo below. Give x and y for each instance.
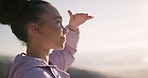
(61, 47)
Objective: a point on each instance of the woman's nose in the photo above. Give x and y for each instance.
(65, 31)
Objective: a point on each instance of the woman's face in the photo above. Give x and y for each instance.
(52, 34)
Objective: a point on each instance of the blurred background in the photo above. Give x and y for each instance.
(112, 45)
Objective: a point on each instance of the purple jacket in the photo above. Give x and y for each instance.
(31, 67)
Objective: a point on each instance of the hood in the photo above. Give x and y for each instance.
(24, 63)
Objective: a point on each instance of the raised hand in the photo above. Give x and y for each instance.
(77, 19)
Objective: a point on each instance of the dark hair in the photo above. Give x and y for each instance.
(19, 13)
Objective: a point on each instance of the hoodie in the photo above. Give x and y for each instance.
(59, 61)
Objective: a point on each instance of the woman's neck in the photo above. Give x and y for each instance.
(38, 52)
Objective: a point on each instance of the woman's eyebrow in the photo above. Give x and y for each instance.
(58, 17)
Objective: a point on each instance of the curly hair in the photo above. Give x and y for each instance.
(19, 13)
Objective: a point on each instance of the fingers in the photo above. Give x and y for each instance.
(89, 17)
(70, 14)
(79, 16)
(85, 16)
(82, 14)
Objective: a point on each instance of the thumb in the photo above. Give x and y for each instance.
(70, 14)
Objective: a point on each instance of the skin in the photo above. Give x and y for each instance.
(51, 34)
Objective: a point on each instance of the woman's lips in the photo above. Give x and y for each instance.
(63, 38)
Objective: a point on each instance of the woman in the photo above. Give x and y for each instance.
(39, 25)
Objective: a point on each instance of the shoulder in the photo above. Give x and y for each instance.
(37, 72)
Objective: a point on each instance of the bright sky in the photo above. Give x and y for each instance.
(117, 25)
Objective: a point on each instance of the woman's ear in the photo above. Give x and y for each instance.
(33, 29)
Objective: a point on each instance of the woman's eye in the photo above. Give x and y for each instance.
(59, 23)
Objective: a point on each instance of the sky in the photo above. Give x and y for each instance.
(117, 25)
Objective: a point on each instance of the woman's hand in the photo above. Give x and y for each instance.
(77, 19)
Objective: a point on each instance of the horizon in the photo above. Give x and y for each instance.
(117, 25)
